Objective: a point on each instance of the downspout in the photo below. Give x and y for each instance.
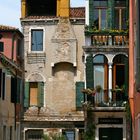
(131, 58)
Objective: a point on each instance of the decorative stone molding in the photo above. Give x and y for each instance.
(35, 77)
(64, 43)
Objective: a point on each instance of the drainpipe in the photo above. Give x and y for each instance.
(131, 58)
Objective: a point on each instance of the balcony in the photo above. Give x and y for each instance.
(106, 41)
(109, 40)
(102, 100)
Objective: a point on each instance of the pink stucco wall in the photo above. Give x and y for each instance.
(7, 39)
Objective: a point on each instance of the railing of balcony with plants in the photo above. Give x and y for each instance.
(101, 97)
(106, 37)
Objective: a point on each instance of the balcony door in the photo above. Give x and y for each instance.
(100, 76)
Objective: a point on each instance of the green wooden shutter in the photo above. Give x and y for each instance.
(40, 94)
(26, 94)
(89, 72)
(89, 75)
(79, 94)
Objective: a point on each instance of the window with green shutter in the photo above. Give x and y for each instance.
(89, 75)
(89, 72)
(79, 94)
(34, 94)
(40, 94)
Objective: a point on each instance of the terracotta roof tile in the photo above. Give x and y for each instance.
(77, 12)
(6, 28)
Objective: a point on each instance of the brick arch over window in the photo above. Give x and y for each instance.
(35, 77)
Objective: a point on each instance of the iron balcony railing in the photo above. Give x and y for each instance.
(102, 99)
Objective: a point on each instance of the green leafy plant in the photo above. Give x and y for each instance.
(54, 136)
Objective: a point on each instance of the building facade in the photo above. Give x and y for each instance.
(53, 40)
(135, 69)
(11, 81)
(106, 59)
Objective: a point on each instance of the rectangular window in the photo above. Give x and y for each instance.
(37, 40)
(34, 134)
(33, 94)
(69, 134)
(120, 3)
(100, 14)
(100, 3)
(99, 80)
(19, 48)
(120, 18)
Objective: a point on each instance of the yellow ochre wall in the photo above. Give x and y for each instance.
(62, 8)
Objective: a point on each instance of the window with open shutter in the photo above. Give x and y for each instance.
(34, 94)
(79, 94)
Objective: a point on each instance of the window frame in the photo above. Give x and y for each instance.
(40, 98)
(30, 39)
(100, 9)
(30, 86)
(120, 10)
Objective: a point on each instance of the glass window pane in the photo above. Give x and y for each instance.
(98, 59)
(70, 135)
(100, 3)
(37, 40)
(96, 18)
(99, 80)
(103, 19)
(124, 19)
(116, 18)
(120, 3)
(99, 76)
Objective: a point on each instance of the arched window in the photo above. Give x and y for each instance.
(100, 70)
(120, 74)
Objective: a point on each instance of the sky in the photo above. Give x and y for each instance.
(10, 11)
